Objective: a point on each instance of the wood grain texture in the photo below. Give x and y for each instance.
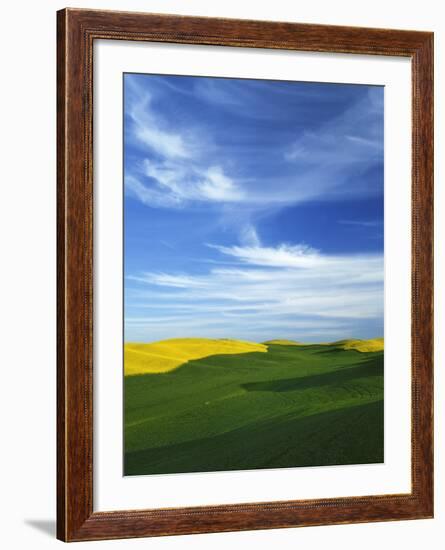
(76, 32)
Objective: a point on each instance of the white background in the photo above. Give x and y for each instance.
(112, 491)
(27, 217)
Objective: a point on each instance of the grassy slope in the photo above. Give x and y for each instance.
(283, 343)
(373, 344)
(167, 355)
(293, 406)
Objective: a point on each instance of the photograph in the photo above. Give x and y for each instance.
(253, 227)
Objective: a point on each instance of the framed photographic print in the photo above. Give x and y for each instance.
(244, 275)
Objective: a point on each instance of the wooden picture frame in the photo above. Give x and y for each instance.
(77, 31)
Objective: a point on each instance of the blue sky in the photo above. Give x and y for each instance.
(253, 209)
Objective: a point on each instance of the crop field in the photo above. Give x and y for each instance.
(196, 405)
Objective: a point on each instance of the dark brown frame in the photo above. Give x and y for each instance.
(77, 30)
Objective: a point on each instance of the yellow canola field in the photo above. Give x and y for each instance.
(374, 344)
(166, 355)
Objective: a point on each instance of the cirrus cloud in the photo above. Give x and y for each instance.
(286, 291)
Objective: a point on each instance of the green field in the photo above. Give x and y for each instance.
(294, 405)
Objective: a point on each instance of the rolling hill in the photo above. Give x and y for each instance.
(373, 344)
(277, 405)
(167, 355)
(279, 342)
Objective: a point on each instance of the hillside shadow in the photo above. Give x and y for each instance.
(349, 435)
(234, 360)
(369, 367)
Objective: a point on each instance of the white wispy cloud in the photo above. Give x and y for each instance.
(248, 235)
(150, 196)
(173, 172)
(147, 127)
(183, 182)
(169, 280)
(352, 139)
(281, 256)
(192, 163)
(289, 290)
